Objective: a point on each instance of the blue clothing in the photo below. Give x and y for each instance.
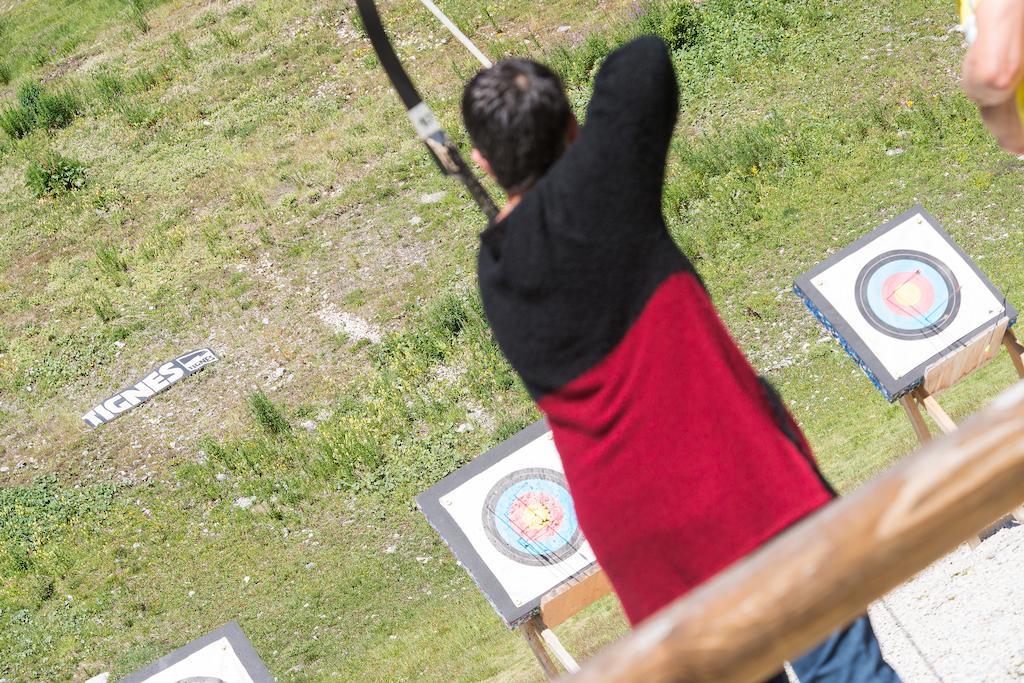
(850, 655)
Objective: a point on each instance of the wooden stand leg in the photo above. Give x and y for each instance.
(1016, 351)
(912, 403)
(558, 650)
(940, 416)
(916, 418)
(556, 607)
(536, 642)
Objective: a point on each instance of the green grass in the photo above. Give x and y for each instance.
(250, 173)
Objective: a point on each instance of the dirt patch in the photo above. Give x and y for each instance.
(351, 325)
(66, 66)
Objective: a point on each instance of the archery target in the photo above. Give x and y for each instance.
(215, 662)
(902, 297)
(222, 656)
(519, 520)
(907, 294)
(529, 517)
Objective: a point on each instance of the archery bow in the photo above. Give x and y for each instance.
(441, 147)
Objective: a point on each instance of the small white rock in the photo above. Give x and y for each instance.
(894, 151)
(245, 503)
(390, 549)
(246, 579)
(310, 565)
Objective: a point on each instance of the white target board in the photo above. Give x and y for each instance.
(510, 520)
(901, 298)
(223, 656)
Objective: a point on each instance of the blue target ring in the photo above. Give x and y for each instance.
(907, 294)
(529, 517)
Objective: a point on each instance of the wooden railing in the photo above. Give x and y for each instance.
(822, 573)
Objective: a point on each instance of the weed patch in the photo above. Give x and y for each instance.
(109, 88)
(226, 38)
(111, 263)
(180, 47)
(38, 108)
(56, 110)
(33, 516)
(138, 115)
(17, 122)
(681, 25)
(433, 337)
(268, 416)
(103, 307)
(137, 15)
(577, 66)
(29, 93)
(55, 175)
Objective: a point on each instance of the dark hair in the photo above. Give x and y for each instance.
(517, 115)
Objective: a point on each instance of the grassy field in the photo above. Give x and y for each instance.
(238, 174)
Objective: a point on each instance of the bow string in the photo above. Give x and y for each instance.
(439, 144)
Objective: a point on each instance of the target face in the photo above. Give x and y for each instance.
(223, 656)
(529, 517)
(901, 298)
(510, 520)
(908, 294)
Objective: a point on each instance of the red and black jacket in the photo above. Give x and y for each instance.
(677, 457)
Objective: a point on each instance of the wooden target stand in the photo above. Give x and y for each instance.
(950, 370)
(555, 608)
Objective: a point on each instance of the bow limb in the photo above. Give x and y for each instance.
(437, 141)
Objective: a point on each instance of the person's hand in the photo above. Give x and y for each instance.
(993, 69)
(1004, 121)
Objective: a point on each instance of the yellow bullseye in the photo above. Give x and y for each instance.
(536, 516)
(907, 295)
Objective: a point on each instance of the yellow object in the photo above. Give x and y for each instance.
(969, 25)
